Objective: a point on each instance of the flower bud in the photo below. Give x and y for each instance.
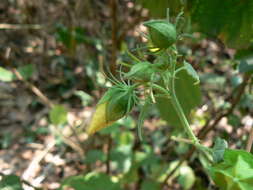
(162, 33)
(115, 104)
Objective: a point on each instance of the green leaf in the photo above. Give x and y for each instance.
(230, 20)
(85, 97)
(10, 182)
(218, 150)
(158, 8)
(5, 75)
(91, 181)
(189, 97)
(245, 57)
(235, 172)
(94, 155)
(191, 71)
(58, 115)
(150, 185)
(186, 177)
(246, 67)
(26, 71)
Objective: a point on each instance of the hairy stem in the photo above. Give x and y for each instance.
(179, 109)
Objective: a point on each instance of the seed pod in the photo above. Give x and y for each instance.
(115, 104)
(162, 33)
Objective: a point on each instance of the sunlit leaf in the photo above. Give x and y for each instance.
(10, 182)
(90, 181)
(58, 115)
(6, 75)
(150, 185)
(191, 71)
(189, 97)
(235, 172)
(186, 177)
(219, 149)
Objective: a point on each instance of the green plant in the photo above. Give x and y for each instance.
(157, 80)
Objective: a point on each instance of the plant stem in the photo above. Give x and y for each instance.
(179, 109)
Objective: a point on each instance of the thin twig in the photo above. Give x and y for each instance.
(33, 88)
(5, 26)
(35, 162)
(179, 139)
(65, 136)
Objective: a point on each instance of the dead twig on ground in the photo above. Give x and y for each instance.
(6, 26)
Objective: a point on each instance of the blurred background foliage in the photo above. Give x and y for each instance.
(51, 55)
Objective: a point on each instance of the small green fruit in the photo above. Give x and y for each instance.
(162, 33)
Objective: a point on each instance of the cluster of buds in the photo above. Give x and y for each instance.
(119, 100)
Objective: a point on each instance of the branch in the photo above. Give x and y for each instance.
(33, 88)
(5, 26)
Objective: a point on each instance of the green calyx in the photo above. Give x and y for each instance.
(120, 100)
(141, 71)
(162, 33)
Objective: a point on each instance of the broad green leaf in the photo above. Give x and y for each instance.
(191, 71)
(219, 149)
(5, 75)
(150, 185)
(10, 182)
(230, 20)
(158, 8)
(26, 71)
(121, 159)
(235, 172)
(94, 155)
(186, 177)
(58, 115)
(91, 181)
(245, 57)
(121, 154)
(246, 67)
(189, 97)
